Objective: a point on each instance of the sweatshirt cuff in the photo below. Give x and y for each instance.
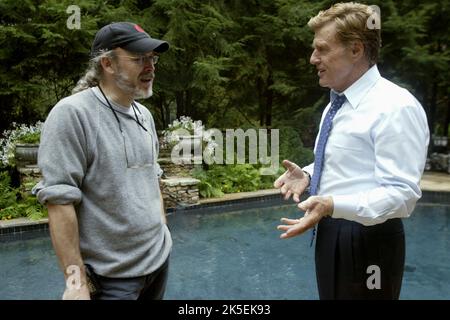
(57, 194)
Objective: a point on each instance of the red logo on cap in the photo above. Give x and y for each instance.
(138, 28)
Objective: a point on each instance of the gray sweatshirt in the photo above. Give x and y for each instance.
(112, 179)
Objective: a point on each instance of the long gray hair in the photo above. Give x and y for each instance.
(93, 73)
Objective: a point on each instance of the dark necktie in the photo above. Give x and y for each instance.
(320, 150)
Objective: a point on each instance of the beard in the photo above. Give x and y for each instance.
(125, 84)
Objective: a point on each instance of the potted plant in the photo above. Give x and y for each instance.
(184, 139)
(184, 133)
(20, 145)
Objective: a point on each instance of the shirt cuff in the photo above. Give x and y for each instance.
(345, 206)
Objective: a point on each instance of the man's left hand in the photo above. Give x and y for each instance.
(315, 208)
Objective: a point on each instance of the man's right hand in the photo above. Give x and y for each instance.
(293, 182)
(81, 293)
(76, 283)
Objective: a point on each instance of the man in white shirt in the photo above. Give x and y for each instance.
(369, 158)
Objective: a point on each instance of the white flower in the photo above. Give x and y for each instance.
(183, 124)
(11, 137)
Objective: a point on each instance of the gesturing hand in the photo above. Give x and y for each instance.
(315, 209)
(293, 182)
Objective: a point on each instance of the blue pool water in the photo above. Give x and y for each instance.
(238, 255)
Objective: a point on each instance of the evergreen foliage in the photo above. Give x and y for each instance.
(231, 63)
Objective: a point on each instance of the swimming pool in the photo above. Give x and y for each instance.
(238, 255)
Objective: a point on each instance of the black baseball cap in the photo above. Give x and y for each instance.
(128, 36)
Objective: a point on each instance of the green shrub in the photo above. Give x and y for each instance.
(208, 186)
(7, 194)
(32, 137)
(221, 179)
(216, 180)
(291, 147)
(15, 203)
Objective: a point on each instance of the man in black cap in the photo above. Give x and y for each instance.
(98, 157)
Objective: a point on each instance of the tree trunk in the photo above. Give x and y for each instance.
(260, 88)
(184, 103)
(160, 105)
(167, 113)
(179, 97)
(447, 117)
(433, 106)
(269, 100)
(188, 103)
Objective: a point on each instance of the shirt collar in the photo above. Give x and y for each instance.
(356, 92)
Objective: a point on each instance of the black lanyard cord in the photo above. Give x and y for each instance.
(133, 105)
(112, 109)
(117, 117)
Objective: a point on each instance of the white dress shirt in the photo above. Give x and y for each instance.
(376, 152)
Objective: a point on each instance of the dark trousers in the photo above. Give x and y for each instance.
(149, 287)
(359, 262)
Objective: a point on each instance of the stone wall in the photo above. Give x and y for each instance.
(175, 170)
(180, 191)
(29, 175)
(177, 185)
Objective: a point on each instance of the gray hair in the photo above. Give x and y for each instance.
(93, 73)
